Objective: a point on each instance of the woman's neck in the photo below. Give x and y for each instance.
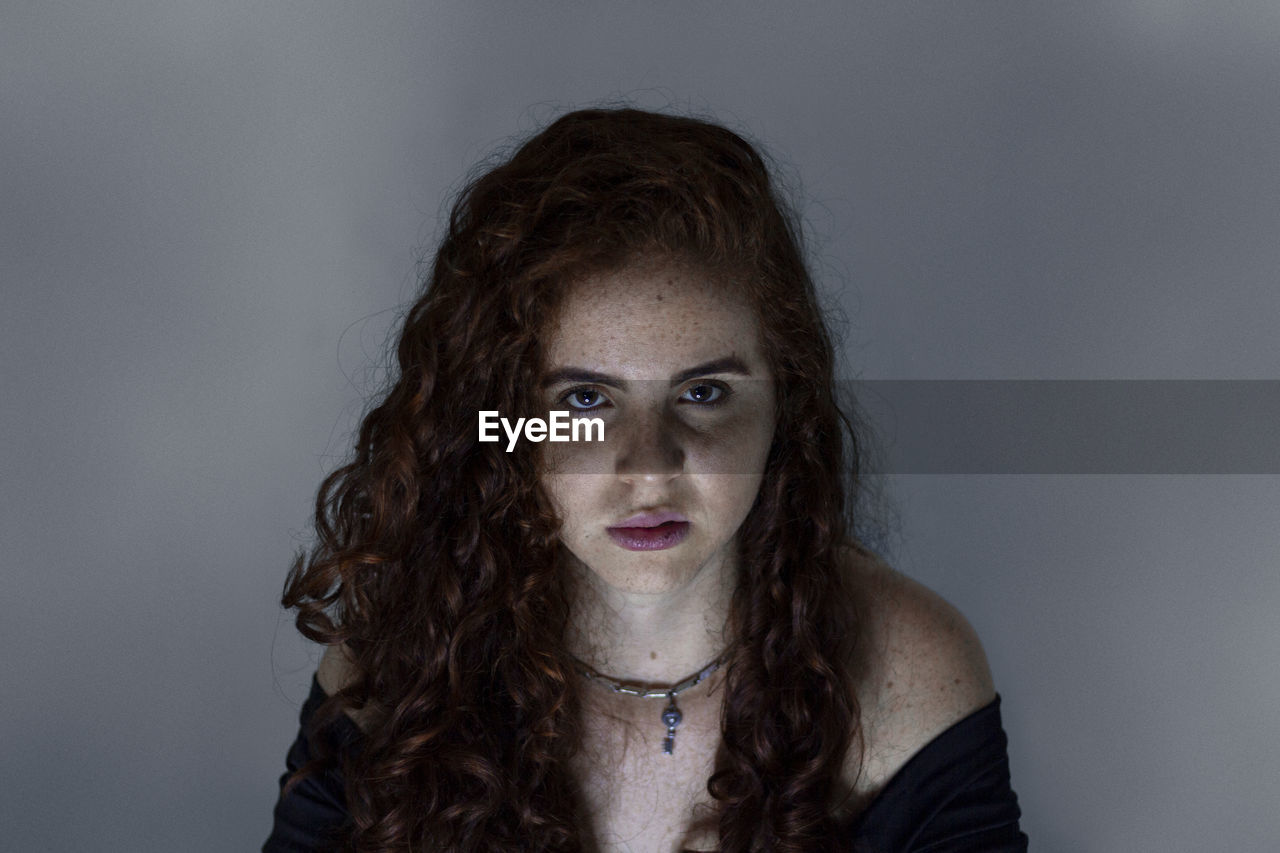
(656, 638)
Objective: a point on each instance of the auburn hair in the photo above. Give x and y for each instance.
(435, 560)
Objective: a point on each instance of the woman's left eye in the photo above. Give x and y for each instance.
(707, 394)
(583, 399)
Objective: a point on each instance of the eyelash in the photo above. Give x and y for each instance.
(724, 390)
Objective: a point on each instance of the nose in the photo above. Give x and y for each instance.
(649, 451)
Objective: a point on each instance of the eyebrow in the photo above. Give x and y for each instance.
(727, 364)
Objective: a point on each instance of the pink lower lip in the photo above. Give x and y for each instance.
(650, 538)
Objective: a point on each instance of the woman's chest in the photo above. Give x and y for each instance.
(638, 798)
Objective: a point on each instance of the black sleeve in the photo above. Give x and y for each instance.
(954, 796)
(311, 817)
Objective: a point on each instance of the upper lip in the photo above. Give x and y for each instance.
(649, 519)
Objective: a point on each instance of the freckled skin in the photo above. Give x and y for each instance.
(663, 449)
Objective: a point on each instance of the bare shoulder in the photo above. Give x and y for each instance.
(336, 671)
(923, 669)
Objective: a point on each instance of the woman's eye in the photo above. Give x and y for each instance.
(582, 399)
(707, 394)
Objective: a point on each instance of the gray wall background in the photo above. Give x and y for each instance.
(211, 212)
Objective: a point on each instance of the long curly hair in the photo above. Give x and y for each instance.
(435, 561)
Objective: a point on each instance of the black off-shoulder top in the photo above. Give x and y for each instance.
(953, 796)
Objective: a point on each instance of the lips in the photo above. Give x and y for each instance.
(650, 531)
(656, 538)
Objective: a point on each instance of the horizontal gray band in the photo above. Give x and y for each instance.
(1124, 426)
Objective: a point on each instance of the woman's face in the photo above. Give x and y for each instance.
(674, 369)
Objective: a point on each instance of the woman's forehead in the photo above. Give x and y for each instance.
(652, 320)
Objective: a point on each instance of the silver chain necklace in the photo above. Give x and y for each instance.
(671, 715)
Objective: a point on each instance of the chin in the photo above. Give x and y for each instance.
(646, 572)
(650, 585)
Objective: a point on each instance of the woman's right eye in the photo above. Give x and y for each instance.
(582, 399)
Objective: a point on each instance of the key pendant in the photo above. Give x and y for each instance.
(671, 717)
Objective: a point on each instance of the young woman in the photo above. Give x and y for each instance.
(662, 635)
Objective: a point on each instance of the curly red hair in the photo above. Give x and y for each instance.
(435, 560)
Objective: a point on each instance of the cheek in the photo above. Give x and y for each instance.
(735, 463)
(734, 446)
(567, 462)
(571, 495)
(556, 489)
(734, 492)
